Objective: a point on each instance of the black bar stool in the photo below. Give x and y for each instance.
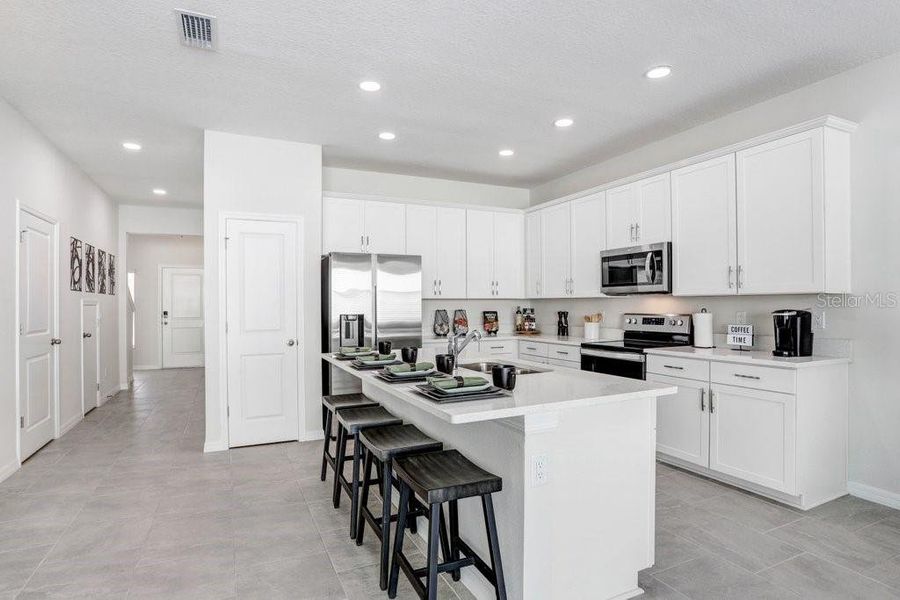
(382, 445)
(439, 477)
(330, 405)
(350, 422)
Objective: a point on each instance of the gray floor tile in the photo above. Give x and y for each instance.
(83, 577)
(688, 488)
(305, 578)
(887, 572)
(852, 513)
(671, 550)
(16, 566)
(836, 544)
(202, 575)
(752, 511)
(654, 589)
(711, 578)
(814, 578)
(85, 538)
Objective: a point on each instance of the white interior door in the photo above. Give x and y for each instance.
(182, 317)
(90, 356)
(38, 296)
(262, 331)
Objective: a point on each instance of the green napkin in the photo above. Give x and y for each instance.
(355, 349)
(378, 357)
(449, 383)
(406, 368)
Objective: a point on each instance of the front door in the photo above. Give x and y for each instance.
(262, 331)
(37, 331)
(182, 317)
(90, 356)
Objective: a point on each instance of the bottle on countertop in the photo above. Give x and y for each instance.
(520, 320)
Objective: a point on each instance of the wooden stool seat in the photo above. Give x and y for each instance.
(341, 401)
(331, 405)
(440, 477)
(387, 442)
(355, 419)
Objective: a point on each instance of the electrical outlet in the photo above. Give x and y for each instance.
(540, 470)
(819, 320)
(741, 317)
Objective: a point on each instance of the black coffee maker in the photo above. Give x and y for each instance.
(793, 332)
(562, 323)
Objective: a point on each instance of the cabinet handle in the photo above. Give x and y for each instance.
(362, 243)
(702, 399)
(367, 243)
(498, 288)
(742, 376)
(740, 276)
(496, 347)
(530, 348)
(631, 234)
(712, 406)
(637, 232)
(440, 287)
(561, 352)
(674, 367)
(730, 272)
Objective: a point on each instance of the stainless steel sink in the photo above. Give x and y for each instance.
(485, 367)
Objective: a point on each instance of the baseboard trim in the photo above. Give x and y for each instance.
(64, 429)
(8, 469)
(146, 367)
(874, 494)
(312, 436)
(216, 446)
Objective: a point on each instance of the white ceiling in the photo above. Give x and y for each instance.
(460, 79)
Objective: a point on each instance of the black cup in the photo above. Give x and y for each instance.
(445, 363)
(384, 347)
(504, 376)
(409, 354)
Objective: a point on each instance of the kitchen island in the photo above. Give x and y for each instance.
(583, 525)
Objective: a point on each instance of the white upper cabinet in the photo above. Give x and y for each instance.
(344, 225)
(351, 225)
(622, 213)
(655, 200)
(556, 249)
(533, 255)
(433, 232)
(496, 248)
(704, 247)
(780, 216)
(588, 241)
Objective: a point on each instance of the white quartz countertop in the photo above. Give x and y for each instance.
(543, 338)
(552, 390)
(762, 358)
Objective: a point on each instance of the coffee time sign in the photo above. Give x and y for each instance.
(740, 335)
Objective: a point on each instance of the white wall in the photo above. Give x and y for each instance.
(146, 254)
(147, 220)
(243, 174)
(351, 181)
(868, 95)
(35, 173)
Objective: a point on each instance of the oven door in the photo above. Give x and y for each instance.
(637, 270)
(622, 364)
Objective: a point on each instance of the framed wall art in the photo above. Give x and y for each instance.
(76, 264)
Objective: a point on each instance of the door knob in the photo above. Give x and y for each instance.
(85, 335)
(55, 342)
(291, 342)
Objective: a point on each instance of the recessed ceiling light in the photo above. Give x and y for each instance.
(160, 191)
(506, 152)
(133, 146)
(564, 122)
(369, 86)
(658, 72)
(387, 135)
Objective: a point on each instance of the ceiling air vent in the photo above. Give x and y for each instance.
(197, 30)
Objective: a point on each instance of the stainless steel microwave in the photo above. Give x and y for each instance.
(637, 270)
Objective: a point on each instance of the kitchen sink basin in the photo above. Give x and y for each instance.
(485, 367)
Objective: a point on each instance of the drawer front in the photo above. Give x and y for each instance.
(533, 348)
(497, 347)
(751, 376)
(678, 367)
(563, 352)
(564, 363)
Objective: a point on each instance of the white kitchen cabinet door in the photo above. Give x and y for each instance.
(704, 229)
(479, 254)
(509, 254)
(588, 241)
(344, 228)
(780, 216)
(655, 197)
(384, 222)
(556, 231)
(753, 436)
(451, 252)
(421, 239)
(533, 254)
(682, 420)
(622, 214)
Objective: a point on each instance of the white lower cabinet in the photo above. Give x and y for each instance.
(752, 436)
(504, 348)
(788, 446)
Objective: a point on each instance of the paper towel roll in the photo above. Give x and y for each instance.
(703, 329)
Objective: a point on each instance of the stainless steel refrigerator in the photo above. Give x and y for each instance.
(368, 298)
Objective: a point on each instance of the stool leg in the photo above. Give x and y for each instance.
(364, 502)
(454, 535)
(385, 522)
(434, 526)
(339, 465)
(354, 487)
(327, 429)
(494, 545)
(445, 543)
(405, 492)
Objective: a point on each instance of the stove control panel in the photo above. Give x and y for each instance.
(679, 324)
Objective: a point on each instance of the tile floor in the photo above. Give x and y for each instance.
(127, 505)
